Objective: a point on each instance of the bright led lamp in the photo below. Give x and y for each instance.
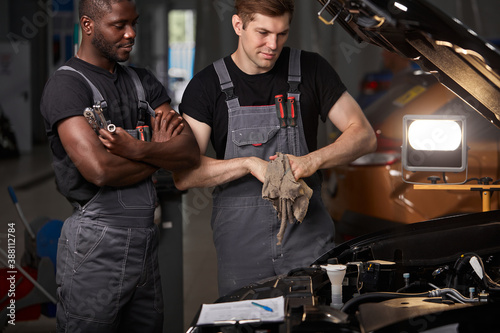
(435, 143)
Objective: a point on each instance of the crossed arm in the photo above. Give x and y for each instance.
(118, 159)
(357, 139)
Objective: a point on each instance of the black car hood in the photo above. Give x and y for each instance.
(460, 59)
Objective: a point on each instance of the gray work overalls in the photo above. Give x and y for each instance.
(245, 225)
(107, 264)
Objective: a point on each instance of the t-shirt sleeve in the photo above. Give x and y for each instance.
(65, 95)
(328, 84)
(196, 102)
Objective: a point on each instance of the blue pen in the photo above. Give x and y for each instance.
(263, 306)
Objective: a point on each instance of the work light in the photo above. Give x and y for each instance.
(435, 143)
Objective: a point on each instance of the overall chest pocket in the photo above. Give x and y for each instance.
(260, 141)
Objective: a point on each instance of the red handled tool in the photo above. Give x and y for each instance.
(292, 115)
(281, 109)
(143, 133)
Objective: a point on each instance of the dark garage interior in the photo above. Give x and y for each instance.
(175, 40)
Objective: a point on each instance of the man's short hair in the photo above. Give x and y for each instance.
(95, 9)
(246, 9)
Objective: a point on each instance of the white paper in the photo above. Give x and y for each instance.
(243, 311)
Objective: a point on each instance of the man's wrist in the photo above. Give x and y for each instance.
(316, 160)
(138, 150)
(247, 164)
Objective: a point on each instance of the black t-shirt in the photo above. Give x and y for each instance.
(67, 94)
(320, 89)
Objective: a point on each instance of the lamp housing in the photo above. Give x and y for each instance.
(435, 143)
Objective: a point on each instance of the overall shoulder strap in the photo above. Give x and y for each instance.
(141, 96)
(226, 84)
(294, 72)
(98, 99)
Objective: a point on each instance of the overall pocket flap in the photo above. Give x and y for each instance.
(253, 136)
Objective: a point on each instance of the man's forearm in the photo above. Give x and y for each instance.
(353, 143)
(118, 171)
(179, 153)
(95, 163)
(212, 172)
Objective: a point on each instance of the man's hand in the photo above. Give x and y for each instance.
(120, 143)
(301, 166)
(257, 167)
(166, 126)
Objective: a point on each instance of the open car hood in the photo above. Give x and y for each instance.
(460, 59)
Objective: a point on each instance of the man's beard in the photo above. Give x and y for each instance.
(106, 48)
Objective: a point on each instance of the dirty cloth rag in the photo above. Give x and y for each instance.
(289, 197)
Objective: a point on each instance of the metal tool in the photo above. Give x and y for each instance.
(96, 119)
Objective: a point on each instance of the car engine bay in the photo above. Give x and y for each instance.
(442, 274)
